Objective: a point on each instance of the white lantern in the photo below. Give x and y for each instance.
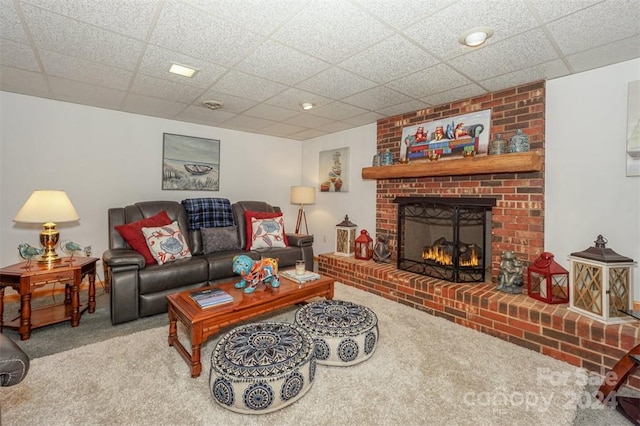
(601, 283)
(345, 238)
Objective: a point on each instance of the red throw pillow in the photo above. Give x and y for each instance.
(132, 233)
(248, 214)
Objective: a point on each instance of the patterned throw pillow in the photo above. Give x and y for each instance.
(219, 239)
(249, 215)
(132, 234)
(166, 243)
(267, 233)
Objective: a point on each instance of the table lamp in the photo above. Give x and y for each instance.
(47, 207)
(302, 195)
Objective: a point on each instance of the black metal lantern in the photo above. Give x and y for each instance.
(547, 280)
(601, 283)
(345, 237)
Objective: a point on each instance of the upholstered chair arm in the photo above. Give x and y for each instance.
(123, 257)
(300, 240)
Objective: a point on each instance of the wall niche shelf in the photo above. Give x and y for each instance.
(532, 161)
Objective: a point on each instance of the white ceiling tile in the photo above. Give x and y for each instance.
(308, 134)
(376, 98)
(146, 105)
(292, 98)
(157, 61)
(131, 18)
(251, 14)
(252, 123)
(403, 13)
(463, 92)
(165, 89)
(526, 49)
(331, 30)
(18, 55)
(366, 118)
(413, 105)
(336, 126)
(85, 71)
(506, 18)
(203, 115)
(610, 24)
(283, 129)
(336, 83)
(10, 24)
(337, 111)
(230, 103)
(266, 61)
(57, 33)
(307, 120)
(24, 82)
(546, 71)
(188, 30)
(431, 80)
(272, 112)
(247, 86)
(620, 51)
(550, 10)
(388, 60)
(86, 94)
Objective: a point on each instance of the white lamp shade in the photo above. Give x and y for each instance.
(47, 206)
(303, 195)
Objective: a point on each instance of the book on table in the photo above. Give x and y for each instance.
(303, 278)
(210, 297)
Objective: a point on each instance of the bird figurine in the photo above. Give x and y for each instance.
(69, 247)
(28, 252)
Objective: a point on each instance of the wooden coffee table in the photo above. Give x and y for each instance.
(201, 323)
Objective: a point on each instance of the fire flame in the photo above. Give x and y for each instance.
(441, 257)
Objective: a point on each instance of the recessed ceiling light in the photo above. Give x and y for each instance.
(475, 37)
(183, 70)
(214, 105)
(307, 105)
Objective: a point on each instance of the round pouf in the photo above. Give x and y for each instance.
(344, 333)
(262, 367)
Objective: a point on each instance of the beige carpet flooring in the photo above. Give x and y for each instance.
(425, 371)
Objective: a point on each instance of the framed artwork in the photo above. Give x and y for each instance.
(633, 129)
(190, 163)
(448, 138)
(334, 170)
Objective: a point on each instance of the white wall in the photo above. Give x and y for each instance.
(104, 158)
(331, 207)
(587, 190)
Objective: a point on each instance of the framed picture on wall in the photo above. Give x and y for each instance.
(190, 163)
(334, 170)
(448, 138)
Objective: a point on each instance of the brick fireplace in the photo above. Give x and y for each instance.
(517, 224)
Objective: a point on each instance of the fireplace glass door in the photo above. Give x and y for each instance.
(444, 238)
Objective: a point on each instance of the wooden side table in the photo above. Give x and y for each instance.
(25, 280)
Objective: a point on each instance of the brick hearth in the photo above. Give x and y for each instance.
(548, 329)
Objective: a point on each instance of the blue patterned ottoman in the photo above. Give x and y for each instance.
(344, 333)
(262, 367)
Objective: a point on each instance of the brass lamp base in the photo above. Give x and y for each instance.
(49, 239)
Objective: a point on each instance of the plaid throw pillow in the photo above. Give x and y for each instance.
(208, 212)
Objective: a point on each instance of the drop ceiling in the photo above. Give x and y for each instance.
(356, 60)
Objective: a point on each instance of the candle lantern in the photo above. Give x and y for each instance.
(601, 283)
(364, 246)
(345, 237)
(547, 280)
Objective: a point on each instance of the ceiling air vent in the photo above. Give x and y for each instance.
(214, 105)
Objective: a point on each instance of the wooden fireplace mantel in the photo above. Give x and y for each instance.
(532, 161)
